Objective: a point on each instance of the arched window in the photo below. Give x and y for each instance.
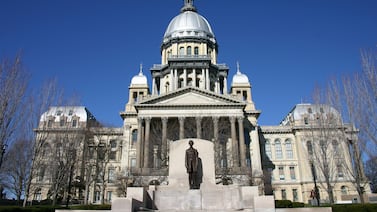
(288, 149)
(134, 136)
(189, 50)
(344, 190)
(167, 87)
(267, 147)
(181, 50)
(196, 51)
(278, 150)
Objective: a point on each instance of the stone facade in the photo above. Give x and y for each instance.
(189, 98)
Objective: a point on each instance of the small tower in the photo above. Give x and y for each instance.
(241, 88)
(138, 89)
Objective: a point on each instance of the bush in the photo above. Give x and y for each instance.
(298, 204)
(91, 207)
(28, 209)
(354, 208)
(283, 204)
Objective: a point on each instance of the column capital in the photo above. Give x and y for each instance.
(232, 119)
(164, 119)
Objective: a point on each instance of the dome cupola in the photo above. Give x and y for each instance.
(139, 79)
(189, 24)
(240, 78)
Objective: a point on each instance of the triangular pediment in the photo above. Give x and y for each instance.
(191, 96)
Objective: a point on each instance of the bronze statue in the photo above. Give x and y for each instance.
(191, 161)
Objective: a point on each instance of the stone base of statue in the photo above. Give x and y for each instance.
(177, 195)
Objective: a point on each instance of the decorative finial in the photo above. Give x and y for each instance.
(238, 68)
(141, 69)
(188, 6)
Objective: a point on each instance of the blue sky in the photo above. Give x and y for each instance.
(94, 47)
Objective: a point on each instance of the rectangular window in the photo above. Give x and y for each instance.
(295, 195)
(97, 196)
(340, 170)
(74, 123)
(113, 144)
(49, 123)
(62, 122)
(292, 172)
(278, 151)
(289, 150)
(109, 196)
(281, 173)
(133, 162)
(111, 175)
(112, 155)
(283, 194)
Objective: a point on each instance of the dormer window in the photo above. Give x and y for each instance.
(70, 113)
(310, 110)
(62, 122)
(59, 113)
(49, 123)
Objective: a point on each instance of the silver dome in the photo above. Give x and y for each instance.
(139, 79)
(189, 24)
(240, 78)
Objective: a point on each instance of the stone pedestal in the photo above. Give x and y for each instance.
(176, 196)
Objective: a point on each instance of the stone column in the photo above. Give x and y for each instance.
(194, 77)
(225, 89)
(184, 77)
(153, 86)
(198, 127)
(176, 79)
(171, 80)
(235, 152)
(181, 127)
(139, 146)
(216, 140)
(242, 141)
(164, 145)
(147, 144)
(203, 85)
(207, 80)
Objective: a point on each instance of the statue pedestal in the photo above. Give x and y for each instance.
(176, 196)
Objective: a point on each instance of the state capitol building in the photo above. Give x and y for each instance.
(189, 98)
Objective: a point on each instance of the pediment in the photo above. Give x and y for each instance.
(191, 96)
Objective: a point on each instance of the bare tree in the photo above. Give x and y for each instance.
(356, 98)
(66, 147)
(17, 167)
(13, 84)
(322, 157)
(39, 102)
(371, 173)
(100, 150)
